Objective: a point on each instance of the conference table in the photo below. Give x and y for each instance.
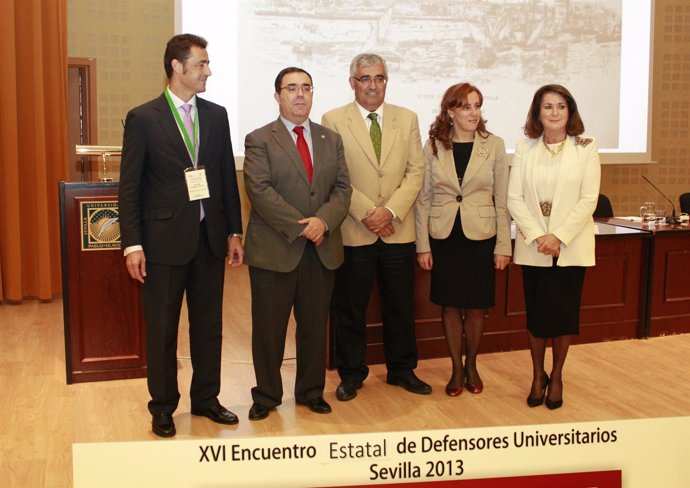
(639, 287)
(667, 299)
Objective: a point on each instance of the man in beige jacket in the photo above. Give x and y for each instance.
(384, 157)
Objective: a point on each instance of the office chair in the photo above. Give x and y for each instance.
(604, 208)
(685, 202)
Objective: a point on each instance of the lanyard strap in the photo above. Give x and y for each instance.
(191, 145)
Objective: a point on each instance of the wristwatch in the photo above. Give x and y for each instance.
(236, 235)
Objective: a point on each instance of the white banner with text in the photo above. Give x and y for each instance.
(621, 453)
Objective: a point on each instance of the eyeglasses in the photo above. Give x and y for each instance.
(378, 79)
(292, 88)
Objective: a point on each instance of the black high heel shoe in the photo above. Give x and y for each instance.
(553, 405)
(536, 401)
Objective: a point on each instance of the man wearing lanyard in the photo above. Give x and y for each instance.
(179, 218)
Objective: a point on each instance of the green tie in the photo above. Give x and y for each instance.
(375, 134)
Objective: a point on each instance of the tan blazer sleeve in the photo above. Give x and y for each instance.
(501, 172)
(423, 202)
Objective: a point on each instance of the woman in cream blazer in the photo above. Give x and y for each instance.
(553, 191)
(463, 227)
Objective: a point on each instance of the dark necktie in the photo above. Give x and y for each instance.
(375, 134)
(303, 149)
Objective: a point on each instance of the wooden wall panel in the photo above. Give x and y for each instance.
(670, 297)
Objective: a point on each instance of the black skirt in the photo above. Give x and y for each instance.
(552, 299)
(463, 274)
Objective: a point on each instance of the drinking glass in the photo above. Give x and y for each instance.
(660, 215)
(647, 212)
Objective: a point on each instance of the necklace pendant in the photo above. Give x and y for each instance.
(554, 152)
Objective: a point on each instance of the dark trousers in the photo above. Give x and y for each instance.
(308, 290)
(162, 292)
(393, 266)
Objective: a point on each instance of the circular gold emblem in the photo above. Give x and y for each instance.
(104, 225)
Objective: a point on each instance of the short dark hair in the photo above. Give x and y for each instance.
(534, 127)
(179, 48)
(285, 71)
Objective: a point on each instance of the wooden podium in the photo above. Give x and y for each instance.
(105, 336)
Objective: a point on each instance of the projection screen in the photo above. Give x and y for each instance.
(599, 49)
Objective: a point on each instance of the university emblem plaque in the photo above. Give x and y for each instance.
(100, 225)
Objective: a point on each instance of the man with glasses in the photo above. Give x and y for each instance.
(383, 150)
(296, 178)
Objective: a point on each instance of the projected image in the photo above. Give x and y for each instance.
(508, 48)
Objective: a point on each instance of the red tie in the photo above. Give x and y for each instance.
(303, 149)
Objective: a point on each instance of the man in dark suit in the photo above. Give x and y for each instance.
(296, 178)
(180, 217)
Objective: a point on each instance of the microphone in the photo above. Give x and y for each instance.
(669, 220)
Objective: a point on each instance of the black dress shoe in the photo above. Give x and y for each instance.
(162, 425)
(258, 411)
(412, 384)
(347, 389)
(218, 413)
(317, 405)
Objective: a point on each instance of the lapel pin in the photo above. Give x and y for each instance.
(583, 141)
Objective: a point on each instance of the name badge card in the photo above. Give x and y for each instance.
(197, 186)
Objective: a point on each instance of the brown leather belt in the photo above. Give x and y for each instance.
(545, 208)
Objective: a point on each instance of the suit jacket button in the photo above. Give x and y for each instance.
(458, 198)
(312, 193)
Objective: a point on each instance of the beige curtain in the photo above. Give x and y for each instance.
(33, 145)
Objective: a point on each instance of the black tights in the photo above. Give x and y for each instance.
(467, 323)
(559, 348)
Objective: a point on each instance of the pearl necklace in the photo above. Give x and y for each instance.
(554, 152)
